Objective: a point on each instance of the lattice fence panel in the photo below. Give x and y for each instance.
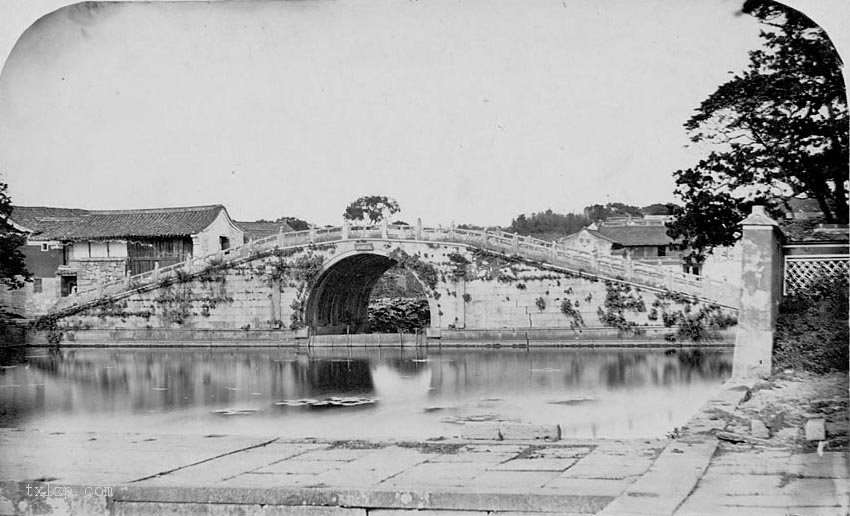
(800, 273)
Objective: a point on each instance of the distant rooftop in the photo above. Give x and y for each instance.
(257, 230)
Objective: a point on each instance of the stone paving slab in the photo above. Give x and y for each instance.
(433, 474)
(151, 508)
(106, 458)
(668, 482)
(594, 486)
(772, 482)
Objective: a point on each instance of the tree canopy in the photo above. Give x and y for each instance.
(598, 212)
(550, 225)
(778, 129)
(13, 270)
(371, 208)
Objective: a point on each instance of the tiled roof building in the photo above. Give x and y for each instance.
(66, 224)
(74, 248)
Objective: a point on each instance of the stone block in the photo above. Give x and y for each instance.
(589, 486)
(758, 429)
(499, 431)
(537, 464)
(816, 429)
(224, 509)
(424, 512)
(521, 481)
(437, 474)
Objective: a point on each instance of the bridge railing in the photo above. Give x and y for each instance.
(615, 267)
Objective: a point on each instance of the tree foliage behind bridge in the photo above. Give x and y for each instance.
(13, 270)
(778, 129)
(371, 208)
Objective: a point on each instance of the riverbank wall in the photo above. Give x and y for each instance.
(658, 337)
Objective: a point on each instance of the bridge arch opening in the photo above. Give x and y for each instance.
(339, 300)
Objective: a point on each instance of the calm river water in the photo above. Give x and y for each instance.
(392, 393)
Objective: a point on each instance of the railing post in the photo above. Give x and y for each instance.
(385, 230)
(669, 278)
(452, 230)
(515, 243)
(346, 228)
(594, 259)
(418, 229)
(312, 235)
(629, 267)
(761, 291)
(156, 271)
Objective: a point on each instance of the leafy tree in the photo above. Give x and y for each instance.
(13, 270)
(658, 209)
(778, 129)
(548, 224)
(295, 223)
(597, 212)
(371, 208)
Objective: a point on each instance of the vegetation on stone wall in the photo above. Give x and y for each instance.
(619, 301)
(50, 326)
(570, 309)
(423, 270)
(693, 322)
(302, 273)
(812, 331)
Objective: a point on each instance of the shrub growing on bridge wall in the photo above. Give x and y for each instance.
(618, 301)
(426, 272)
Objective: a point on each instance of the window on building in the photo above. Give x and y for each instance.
(662, 250)
(36, 285)
(45, 247)
(224, 242)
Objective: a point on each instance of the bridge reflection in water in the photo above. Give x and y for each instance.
(408, 393)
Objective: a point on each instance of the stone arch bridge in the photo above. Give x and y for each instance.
(319, 281)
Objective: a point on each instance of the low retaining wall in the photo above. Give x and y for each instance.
(540, 337)
(565, 337)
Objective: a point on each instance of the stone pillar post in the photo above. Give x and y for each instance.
(385, 229)
(516, 243)
(761, 291)
(418, 229)
(345, 229)
(312, 235)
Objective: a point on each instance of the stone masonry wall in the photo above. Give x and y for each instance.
(466, 289)
(94, 271)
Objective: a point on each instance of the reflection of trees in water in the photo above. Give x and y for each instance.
(12, 356)
(625, 370)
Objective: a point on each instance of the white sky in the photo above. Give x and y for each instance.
(468, 111)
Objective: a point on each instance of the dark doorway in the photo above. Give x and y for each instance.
(67, 285)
